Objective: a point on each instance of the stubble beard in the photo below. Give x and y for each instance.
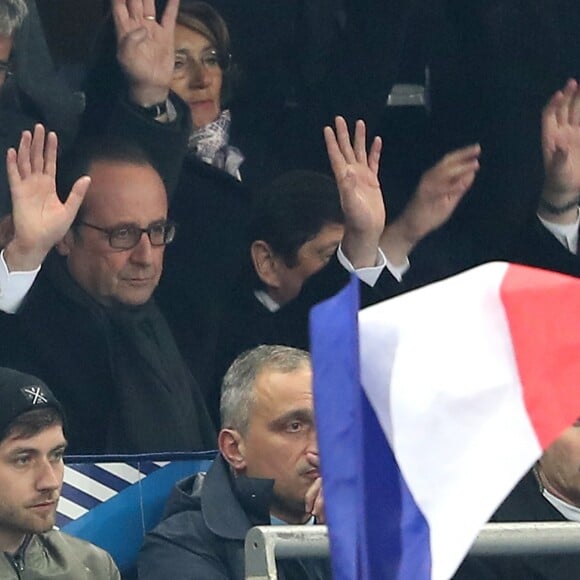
(23, 520)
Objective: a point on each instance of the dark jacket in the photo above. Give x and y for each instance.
(116, 370)
(536, 246)
(524, 504)
(34, 94)
(248, 323)
(203, 530)
(212, 210)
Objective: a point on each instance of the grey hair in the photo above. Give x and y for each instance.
(238, 397)
(12, 15)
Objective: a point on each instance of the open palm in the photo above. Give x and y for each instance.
(145, 47)
(561, 140)
(40, 218)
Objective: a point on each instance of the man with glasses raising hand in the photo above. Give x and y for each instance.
(86, 323)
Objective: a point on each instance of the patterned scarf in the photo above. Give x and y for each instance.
(210, 144)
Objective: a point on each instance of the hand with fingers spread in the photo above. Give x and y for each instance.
(145, 48)
(356, 175)
(561, 151)
(440, 190)
(39, 218)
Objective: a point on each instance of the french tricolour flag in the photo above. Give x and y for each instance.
(431, 411)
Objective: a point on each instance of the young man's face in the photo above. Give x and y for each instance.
(31, 473)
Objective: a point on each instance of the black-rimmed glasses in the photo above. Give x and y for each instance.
(127, 236)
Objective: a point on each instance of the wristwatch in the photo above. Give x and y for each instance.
(154, 111)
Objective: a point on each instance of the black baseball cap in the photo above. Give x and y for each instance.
(19, 393)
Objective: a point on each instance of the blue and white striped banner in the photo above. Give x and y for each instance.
(86, 485)
(113, 501)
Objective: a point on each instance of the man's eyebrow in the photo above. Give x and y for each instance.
(306, 415)
(22, 450)
(35, 450)
(121, 225)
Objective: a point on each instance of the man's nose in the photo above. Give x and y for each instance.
(142, 253)
(49, 475)
(312, 448)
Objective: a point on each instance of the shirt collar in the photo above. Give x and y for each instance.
(266, 301)
(569, 511)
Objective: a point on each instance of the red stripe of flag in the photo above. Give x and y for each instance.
(543, 313)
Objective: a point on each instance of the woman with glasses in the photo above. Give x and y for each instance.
(202, 69)
(211, 201)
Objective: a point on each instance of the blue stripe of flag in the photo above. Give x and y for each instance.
(375, 527)
(334, 350)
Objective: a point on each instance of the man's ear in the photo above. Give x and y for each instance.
(265, 263)
(231, 446)
(63, 247)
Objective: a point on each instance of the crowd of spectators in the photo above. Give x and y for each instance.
(255, 169)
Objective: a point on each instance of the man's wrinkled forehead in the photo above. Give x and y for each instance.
(277, 389)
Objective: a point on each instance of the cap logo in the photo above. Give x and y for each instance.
(34, 395)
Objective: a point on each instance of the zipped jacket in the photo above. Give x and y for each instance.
(57, 556)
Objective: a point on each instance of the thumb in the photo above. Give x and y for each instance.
(77, 195)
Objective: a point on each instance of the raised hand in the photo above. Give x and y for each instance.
(440, 190)
(39, 218)
(362, 202)
(561, 146)
(145, 47)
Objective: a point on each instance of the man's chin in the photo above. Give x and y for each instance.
(135, 296)
(292, 507)
(43, 517)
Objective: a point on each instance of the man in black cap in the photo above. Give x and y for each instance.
(32, 446)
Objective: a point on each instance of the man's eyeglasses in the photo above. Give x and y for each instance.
(127, 236)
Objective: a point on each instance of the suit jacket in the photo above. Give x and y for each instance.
(524, 504)
(536, 246)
